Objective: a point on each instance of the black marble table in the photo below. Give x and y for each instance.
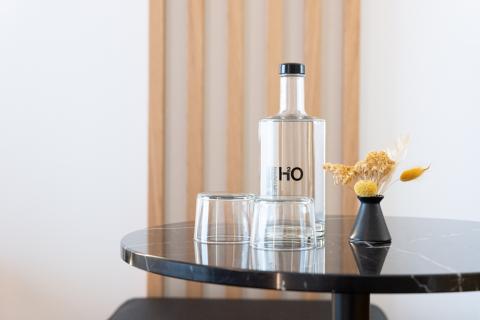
(425, 256)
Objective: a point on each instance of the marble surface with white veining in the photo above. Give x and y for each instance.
(425, 256)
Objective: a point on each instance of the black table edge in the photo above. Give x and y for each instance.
(310, 282)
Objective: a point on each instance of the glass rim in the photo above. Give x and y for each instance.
(268, 245)
(225, 196)
(284, 199)
(240, 240)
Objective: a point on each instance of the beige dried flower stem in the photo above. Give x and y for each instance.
(397, 154)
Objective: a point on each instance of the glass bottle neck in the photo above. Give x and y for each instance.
(292, 95)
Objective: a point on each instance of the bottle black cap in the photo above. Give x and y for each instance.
(292, 68)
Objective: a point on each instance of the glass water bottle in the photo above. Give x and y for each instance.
(292, 146)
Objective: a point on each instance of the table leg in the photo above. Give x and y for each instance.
(346, 306)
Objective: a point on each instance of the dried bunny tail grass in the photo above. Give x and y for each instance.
(413, 173)
(341, 173)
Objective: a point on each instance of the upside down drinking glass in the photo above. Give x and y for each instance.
(223, 217)
(283, 223)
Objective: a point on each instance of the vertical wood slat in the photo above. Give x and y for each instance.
(312, 55)
(274, 53)
(156, 128)
(312, 47)
(274, 56)
(350, 94)
(195, 109)
(235, 134)
(236, 107)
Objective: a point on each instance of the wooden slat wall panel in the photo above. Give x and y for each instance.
(195, 110)
(350, 94)
(235, 128)
(156, 128)
(236, 107)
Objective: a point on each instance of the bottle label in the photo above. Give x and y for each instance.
(285, 180)
(287, 173)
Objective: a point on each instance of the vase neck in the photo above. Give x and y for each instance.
(374, 200)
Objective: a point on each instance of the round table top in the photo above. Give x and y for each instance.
(425, 256)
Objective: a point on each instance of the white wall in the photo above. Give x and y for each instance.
(419, 75)
(73, 114)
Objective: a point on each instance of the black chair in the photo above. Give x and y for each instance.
(222, 309)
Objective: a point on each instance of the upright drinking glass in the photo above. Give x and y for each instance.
(223, 217)
(283, 223)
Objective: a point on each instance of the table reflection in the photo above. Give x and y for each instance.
(222, 255)
(288, 261)
(242, 256)
(369, 257)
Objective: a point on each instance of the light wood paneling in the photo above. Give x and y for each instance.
(350, 94)
(312, 53)
(156, 128)
(274, 54)
(236, 107)
(195, 110)
(235, 99)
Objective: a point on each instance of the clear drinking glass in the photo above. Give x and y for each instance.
(223, 217)
(283, 223)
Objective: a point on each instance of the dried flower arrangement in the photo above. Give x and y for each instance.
(373, 175)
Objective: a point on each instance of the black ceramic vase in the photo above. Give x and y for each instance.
(370, 224)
